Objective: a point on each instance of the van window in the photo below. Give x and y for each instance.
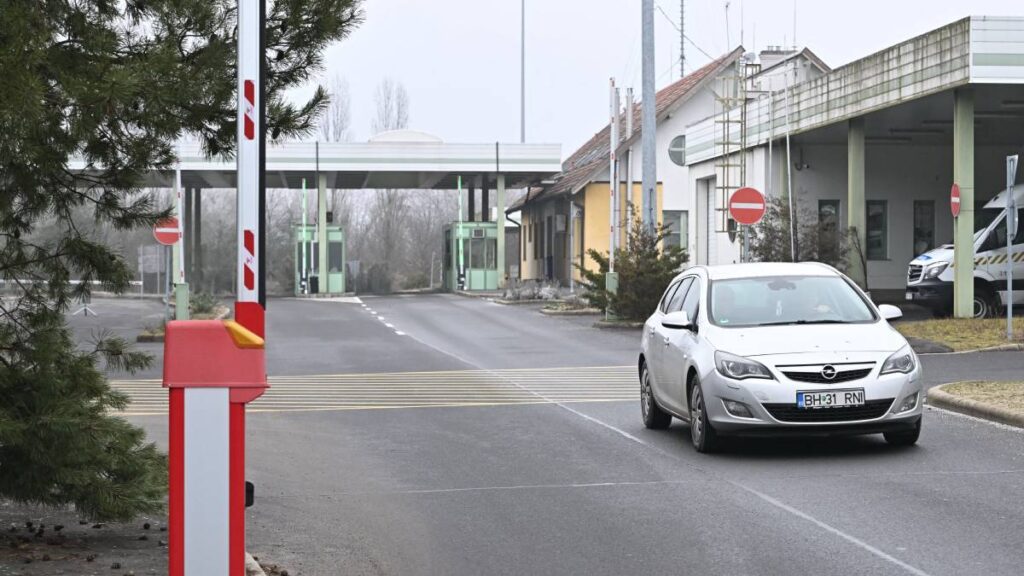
(997, 238)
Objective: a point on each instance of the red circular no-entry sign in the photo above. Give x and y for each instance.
(167, 231)
(954, 200)
(746, 206)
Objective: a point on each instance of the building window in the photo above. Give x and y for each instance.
(828, 227)
(878, 230)
(924, 226)
(677, 225)
(677, 150)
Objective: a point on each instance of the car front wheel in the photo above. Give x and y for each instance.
(654, 417)
(704, 437)
(906, 438)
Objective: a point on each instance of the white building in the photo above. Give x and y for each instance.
(875, 144)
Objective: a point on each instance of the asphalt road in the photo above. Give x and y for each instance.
(553, 473)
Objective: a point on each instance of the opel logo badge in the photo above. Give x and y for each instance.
(828, 372)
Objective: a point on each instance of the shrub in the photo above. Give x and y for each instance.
(644, 268)
(203, 303)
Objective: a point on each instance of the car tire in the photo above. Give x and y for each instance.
(654, 417)
(907, 438)
(702, 434)
(985, 303)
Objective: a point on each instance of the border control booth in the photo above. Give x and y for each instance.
(306, 240)
(472, 248)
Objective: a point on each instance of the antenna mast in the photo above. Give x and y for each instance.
(682, 38)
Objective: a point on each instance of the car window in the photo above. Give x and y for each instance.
(781, 300)
(663, 306)
(677, 299)
(692, 302)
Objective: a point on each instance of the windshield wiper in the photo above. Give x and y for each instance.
(802, 322)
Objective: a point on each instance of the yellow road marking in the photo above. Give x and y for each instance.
(467, 388)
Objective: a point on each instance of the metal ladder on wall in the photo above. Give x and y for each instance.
(731, 140)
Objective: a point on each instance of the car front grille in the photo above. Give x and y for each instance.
(817, 378)
(914, 273)
(790, 413)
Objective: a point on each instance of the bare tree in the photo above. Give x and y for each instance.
(336, 122)
(392, 107)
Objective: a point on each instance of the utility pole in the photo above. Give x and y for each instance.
(649, 173)
(613, 143)
(522, 74)
(629, 159)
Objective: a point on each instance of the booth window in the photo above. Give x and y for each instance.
(492, 254)
(334, 256)
(924, 226)
(677, 226)
(878, 230)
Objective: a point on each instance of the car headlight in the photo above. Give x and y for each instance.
(740, 368)
(903, 362)
(934, 270)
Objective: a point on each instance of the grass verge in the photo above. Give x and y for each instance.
(1005, 395)
(963, 333)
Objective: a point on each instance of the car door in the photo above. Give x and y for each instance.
(681, 344)
(651, 346)
(667, 370)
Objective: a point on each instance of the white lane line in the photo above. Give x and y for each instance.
(521, 487)
(831, 529)
(399, 332)
(999, 425)
(389, 325)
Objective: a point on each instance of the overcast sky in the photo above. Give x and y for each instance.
(459, 59)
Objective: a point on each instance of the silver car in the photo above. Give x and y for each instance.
(777, 349)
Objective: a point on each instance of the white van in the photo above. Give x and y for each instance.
(930, 277)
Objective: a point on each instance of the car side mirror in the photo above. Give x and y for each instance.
(890, 312)
(678, 320)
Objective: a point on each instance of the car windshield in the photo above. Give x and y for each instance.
(786, 300)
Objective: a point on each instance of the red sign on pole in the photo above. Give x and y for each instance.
(954, 200)
(746, 206)
(167, 231)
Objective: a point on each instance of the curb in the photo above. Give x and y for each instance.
(942, 399)
(613, 325)
(504, 302)
(576, 312)
(1000, 348)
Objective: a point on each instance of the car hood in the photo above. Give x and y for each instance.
(941, 254)
(824, 338)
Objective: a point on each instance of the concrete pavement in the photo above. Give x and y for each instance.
(582, 487)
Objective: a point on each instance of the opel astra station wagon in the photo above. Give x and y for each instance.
(777, 349)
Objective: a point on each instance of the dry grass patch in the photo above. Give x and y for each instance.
(1006, 395)
(963, 333)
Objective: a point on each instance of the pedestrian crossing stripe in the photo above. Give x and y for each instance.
(391, 390)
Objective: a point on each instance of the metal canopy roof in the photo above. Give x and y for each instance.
(378, 164)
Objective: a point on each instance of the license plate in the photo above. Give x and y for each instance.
(830, 399)
(910, 295)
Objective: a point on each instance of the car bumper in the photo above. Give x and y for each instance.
(772, 404)
(931, 293)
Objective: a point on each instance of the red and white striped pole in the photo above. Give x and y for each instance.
(249, 308)
(214, 369)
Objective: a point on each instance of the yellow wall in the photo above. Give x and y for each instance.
(596, 205)
(525, 254)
